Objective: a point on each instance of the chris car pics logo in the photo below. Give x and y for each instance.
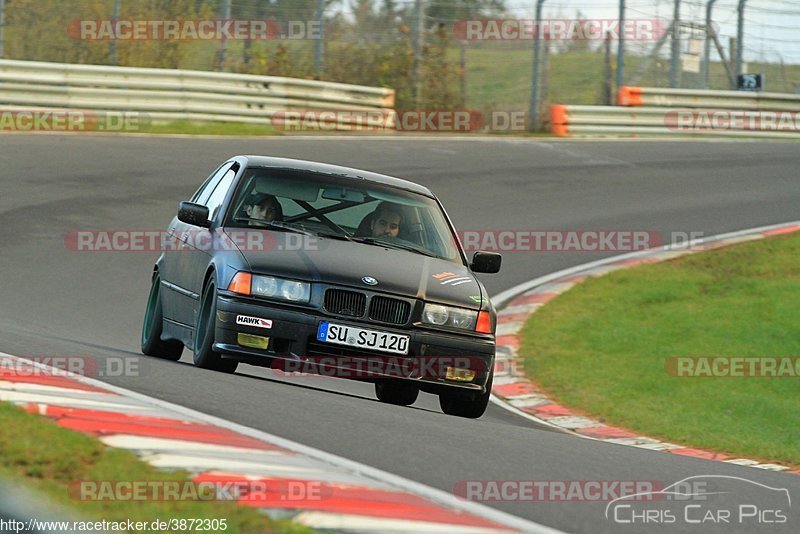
(735, 502)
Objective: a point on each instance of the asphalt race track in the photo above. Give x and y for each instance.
(60, 302)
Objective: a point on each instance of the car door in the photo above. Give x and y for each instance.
(174, 247)
(177, 262)
(201, 244)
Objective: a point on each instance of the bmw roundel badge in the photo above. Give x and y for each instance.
(369, 281)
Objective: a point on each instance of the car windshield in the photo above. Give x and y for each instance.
(344, 208)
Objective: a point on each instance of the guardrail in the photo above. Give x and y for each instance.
(658, 112)
(178, 94)
(696, 98)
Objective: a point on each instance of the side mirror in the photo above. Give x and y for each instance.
(194, 214)
(486, 262)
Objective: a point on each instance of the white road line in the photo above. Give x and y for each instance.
(354, 523)
(381, 477)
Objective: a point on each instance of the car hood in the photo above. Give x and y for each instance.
(345, 263)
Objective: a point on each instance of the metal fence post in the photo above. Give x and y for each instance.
(533, 112)
(621, 46)
(419, 43)
(115, 17)
(2, 25)
(319, 42)
(676, 50)
(709, 37)
(740, 37)
(608, 90)
(223, 45)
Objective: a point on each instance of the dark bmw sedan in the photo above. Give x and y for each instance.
(313, 268)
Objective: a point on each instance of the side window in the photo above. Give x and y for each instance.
(435, 237)
(218, 195)
(201, 197)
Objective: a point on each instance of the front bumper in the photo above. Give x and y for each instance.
(294, 348)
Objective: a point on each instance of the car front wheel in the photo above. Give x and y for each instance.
(471, 405)
(204, 355)
(152, 344)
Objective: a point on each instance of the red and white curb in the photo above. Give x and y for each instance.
(353, 497)
(514, 391)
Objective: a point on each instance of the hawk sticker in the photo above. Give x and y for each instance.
(258, 322)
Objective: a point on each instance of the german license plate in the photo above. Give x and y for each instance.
(363, 338)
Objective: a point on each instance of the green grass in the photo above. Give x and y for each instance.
(498, 76)
(602, 346)
(207, 128)
(43, 457)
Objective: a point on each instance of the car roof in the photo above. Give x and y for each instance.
(326, 168)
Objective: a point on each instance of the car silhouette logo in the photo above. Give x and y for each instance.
(369, 281)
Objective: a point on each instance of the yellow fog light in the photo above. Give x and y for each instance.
(457, 374)
(254, 342)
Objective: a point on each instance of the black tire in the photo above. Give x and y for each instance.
(470, 405)
(396, 392)
(204, 356)
(152, 344)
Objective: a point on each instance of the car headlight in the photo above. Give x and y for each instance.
(278, 288)
(270, 287)
(265, 286)
(439, 315)
(294, 291)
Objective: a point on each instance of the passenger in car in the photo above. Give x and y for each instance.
(265, 207)
(385, 221)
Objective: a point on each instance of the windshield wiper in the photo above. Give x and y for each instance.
(273, 225)
(343, 237)
(398, 246)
